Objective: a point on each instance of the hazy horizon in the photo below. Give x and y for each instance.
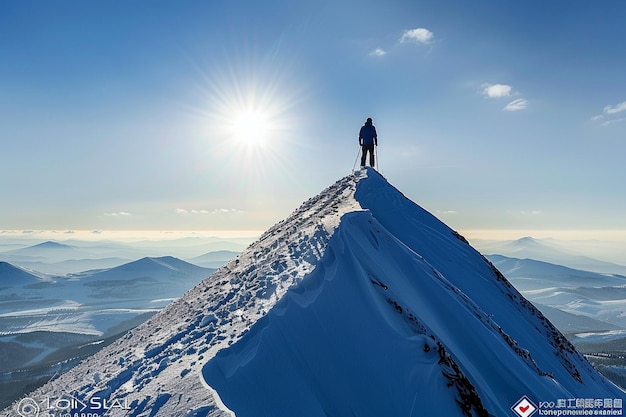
(606, 245)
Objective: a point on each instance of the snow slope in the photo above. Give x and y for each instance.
(11, 275)
(360, 303)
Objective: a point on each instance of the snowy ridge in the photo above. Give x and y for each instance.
(360, 303)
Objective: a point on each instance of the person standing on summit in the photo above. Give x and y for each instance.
(368, 139)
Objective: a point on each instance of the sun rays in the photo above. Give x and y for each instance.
(248, 111)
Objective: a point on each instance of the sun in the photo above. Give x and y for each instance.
(250, 127)
(248, 113)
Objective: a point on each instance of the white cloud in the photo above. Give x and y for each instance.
(188, 212)
(531, 212)
(378, 52)
(227, 211)
(497, 90)
(610, 122)
(516, 105)
(610, 111)
(118, 214)
(615, 109)
(417, 35)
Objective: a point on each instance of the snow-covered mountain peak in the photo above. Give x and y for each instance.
(359, 303)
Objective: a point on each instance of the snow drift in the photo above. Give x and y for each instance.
(360, 303)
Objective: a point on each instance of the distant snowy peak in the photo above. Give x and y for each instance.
(527, 243)
(48, 251)
(523, 246)
(45, 248)
(52, 245)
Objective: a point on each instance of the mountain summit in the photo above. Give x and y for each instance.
(360, 303)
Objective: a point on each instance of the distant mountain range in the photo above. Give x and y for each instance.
(55, 258)
(578, 293)
(548, 250)
(576, 301)
(77, 303)
(49, 251)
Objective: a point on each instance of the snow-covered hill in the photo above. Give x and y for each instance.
(91, 302)
(360, 303)
(11, 275)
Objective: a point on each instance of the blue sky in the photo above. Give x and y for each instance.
(136, 115)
